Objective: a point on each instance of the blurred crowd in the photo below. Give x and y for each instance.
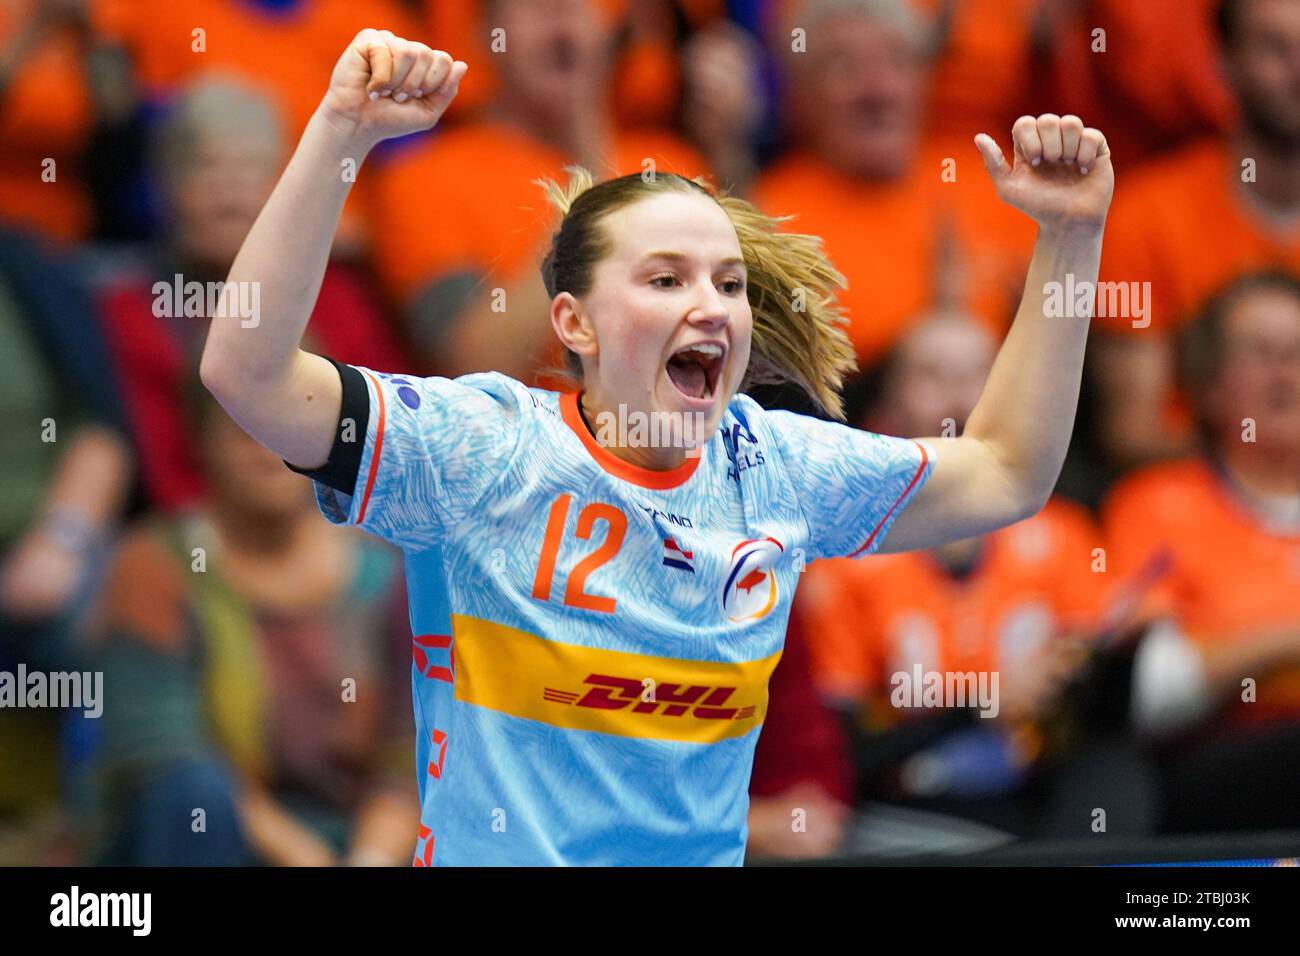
(1145, 626)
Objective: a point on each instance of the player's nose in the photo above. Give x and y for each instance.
(709, 308)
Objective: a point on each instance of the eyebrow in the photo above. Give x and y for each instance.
(680, 257)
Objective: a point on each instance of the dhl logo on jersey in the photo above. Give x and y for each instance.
(646, 697)
(613, 692)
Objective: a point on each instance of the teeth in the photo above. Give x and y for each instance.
(711, 349)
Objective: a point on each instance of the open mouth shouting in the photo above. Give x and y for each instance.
(695, 370)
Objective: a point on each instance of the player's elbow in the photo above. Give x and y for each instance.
(1029, 494)
(1004, 510)
(228, 381)
(1019, 489)
(1031, 502)
(214, 372)
(227, 376)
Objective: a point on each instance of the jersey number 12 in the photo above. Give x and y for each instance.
(575, 593)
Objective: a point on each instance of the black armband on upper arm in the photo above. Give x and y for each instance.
(344, 463)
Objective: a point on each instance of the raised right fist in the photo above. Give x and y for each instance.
(384, 87)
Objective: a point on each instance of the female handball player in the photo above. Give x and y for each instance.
(596, 611)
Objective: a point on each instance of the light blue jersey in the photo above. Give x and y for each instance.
(593, 640)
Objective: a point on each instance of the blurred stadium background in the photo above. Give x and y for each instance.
(1145, 626)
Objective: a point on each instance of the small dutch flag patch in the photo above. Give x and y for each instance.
(675, 557)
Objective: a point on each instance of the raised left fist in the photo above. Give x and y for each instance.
(1061, 175)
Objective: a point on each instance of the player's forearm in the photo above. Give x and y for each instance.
(280, 266)
(1025, 415)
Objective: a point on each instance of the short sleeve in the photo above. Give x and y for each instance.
(850, 484)
(432, 449)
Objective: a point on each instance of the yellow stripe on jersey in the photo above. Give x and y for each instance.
(612, 692)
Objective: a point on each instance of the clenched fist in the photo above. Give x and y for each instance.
(1061, 175)
(384, 87)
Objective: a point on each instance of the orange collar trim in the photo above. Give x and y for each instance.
(611, 463)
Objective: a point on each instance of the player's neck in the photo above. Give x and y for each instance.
(650, 456)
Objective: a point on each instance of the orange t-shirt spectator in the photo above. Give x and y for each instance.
(45, 120)
(984, 71)
(647, 75)
(909, 243)
(984, 58)
(1230, 575)
(1031, 583)
(1192, 222)
(1157, 233)
(910, 228)
(1228, 522)
(1151, 86)
(285, 49)
(468, 200)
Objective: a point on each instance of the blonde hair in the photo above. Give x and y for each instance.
(798, 332)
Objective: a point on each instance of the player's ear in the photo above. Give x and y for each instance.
(572, 325)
